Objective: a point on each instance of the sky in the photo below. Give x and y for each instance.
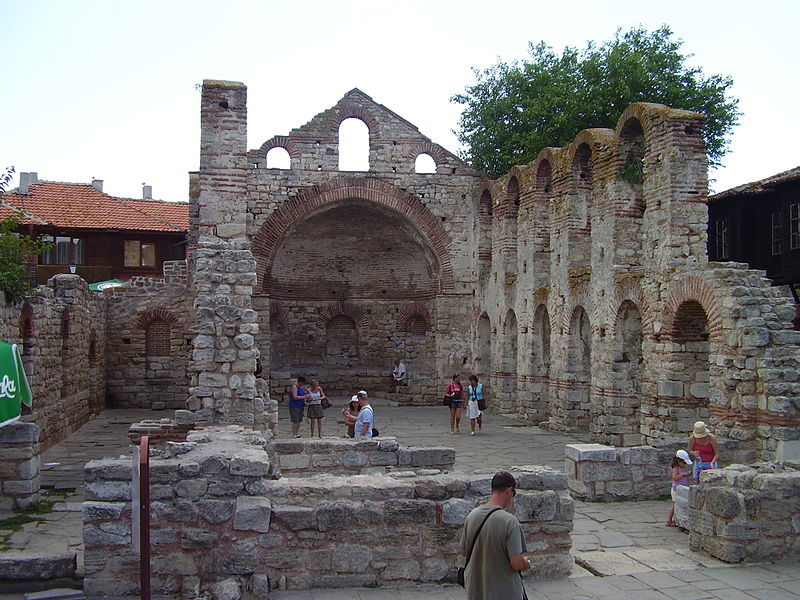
(108, 89)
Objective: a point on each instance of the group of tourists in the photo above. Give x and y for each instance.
(455, 395)
(358, 417)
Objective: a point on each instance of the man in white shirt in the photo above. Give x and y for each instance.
(366, 418)
(398, 375)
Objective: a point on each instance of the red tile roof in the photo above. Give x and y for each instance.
(81, 206)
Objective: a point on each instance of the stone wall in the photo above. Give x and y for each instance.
(219, 518)
(357, 457)
(19, 465)
(598, 472)
(62, 330)
(746, 513)
(149, 341)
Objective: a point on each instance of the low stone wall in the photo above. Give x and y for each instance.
(19, 467)
(220, 521)
(598, 472)
(742, 513)
(357, 456)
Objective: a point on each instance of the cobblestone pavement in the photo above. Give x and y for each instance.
(627, 542)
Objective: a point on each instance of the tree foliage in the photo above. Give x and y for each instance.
(516, 109)
(16, 251)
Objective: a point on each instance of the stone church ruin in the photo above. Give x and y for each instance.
(577, 287)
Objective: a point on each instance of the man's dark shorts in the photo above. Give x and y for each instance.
(296, 414)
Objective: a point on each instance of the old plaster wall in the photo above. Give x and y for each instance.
(62, 330)
(149, 341)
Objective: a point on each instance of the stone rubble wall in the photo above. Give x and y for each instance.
(220, 519)
(62, 330)
(377, 456)
(136, 380)
(746, 513)
(20, 462)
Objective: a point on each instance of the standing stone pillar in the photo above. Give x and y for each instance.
(223, 387)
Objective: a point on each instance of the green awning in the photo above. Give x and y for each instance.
(104, 285)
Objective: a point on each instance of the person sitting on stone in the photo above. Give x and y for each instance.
(399, 376)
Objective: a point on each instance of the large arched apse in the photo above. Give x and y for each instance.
(344, 274)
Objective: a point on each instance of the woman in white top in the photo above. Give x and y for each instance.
(476, 400)
(314, 402)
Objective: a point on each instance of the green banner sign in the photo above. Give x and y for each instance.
(14, 388)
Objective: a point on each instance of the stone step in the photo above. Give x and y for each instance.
(56, 594)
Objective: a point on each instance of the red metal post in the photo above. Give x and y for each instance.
(144, 516)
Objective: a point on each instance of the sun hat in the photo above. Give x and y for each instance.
(700, 429)
(354, 399)
(684, 456)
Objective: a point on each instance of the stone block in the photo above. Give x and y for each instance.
(739, 530)
(295, 518)
(16, 565)
(620, 489)
(242, 559)
(174, 563)
(382, 459)
(336, 515)
(94, 537)
(227, 589)
(193, 538)
(260, 586)
(294, 461)
(109, 587)
(722, 502)
(215, 511)
(455, 511)
(727, 551)
(540, 478)
(591, 452)
(252, 514)
(250, 463)
(350, 558)
(670, 389)
(536, 506)
(409, 511)
(19, 433)
(108, 491)
(421, 457)
(701, 522)
(408, 570)
(102, 511)
(589, 472)
(352, 458)
(193, 489)
(430, 490)
(639, 455)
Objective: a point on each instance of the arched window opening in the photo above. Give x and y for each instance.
(341, 340)
(579, 367)
(508, 382)
(512, 192)
(485, 227)
(544, 178)
(424, 164)
(417, 325)
(632, 152)
(583, 164)
(278, 158)
(353, 145)
(483, 358)
(157, 337)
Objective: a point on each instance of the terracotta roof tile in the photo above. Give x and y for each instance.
(24, 219)
(75, 205)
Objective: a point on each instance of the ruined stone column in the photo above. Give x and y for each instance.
(223, 387)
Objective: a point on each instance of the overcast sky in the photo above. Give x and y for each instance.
(106, 89)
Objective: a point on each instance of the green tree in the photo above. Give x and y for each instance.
(16, 251)
(516, 109)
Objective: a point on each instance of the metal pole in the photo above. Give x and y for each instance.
(144, 516)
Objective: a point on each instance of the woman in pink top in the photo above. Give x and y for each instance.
(703, 447)
(680, 476)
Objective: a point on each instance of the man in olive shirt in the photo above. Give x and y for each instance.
(496, 560)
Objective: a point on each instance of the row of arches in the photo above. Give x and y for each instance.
(582, 376)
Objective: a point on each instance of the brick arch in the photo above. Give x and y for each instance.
(338, 309)
(279, 313)
(688, 289)
(600, 141)
(269, 236)
(406, 316)
(628, 292)
(280, 141)
(580, 299)
(352, 112)
(436, 152)
(162, 314)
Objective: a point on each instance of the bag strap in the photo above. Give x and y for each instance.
(475, 539)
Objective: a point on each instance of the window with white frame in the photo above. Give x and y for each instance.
(65, 250)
